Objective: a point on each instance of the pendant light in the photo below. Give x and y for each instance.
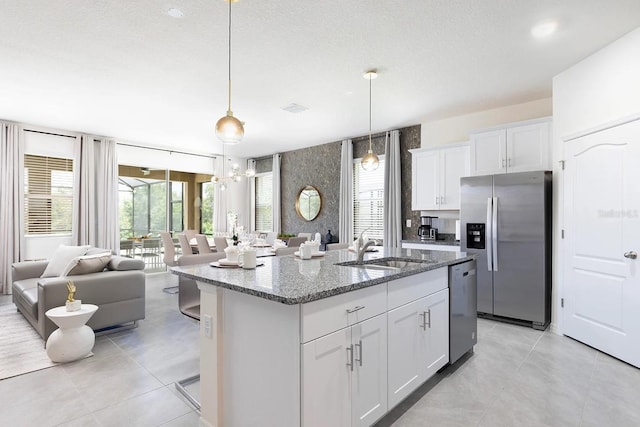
(229, 129)
(370, 161)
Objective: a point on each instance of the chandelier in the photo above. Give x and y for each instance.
(233, 175)
(229, 129)
(370, 161)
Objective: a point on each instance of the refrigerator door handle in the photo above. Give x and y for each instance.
(489, 234)
(494, 233)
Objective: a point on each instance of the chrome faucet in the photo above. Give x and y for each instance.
(363, 248)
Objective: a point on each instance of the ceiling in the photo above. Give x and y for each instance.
(126, 69)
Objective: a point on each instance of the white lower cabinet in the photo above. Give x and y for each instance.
(418, 340)
(344, 376)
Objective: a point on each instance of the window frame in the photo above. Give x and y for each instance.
(357, 229)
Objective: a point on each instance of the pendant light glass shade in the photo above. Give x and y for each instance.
(229, 129)
(370, 161)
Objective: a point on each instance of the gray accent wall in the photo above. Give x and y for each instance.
(320, 166)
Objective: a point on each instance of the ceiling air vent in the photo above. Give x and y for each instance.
(295, 108)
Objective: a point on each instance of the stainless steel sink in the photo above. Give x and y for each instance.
(381, 264)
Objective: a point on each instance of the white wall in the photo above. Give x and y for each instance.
(456, 129)
(601, 89)
(163, 159)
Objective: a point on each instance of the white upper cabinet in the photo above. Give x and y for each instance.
(436, 177)
(516, 147)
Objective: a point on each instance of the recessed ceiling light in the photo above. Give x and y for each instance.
(175, 13)
(544, 29)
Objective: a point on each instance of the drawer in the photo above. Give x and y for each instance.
(410, 288)
(327, 315)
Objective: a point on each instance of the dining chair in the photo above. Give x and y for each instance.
(295, 242)
(286, 251)
(203, 244)
(169, 249)
(184, 244)
(337, 246)
(191, 234)
(126, 248)
(271, 237)
(151, 252)
(307, 235)
(221, 243)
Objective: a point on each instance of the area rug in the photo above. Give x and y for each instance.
(21, 348)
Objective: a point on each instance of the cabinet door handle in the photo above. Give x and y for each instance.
(426, 323)
(359, 346)
(354, 309)
(436, 200)
(509, 162)
(503, 163)
(442, 200)
(350, 356)
(429, 316)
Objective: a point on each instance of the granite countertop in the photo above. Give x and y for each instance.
(434, 242)
(290, 280)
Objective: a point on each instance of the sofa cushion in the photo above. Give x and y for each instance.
(61, 258)
(120, 263)
(94, 251)
(19, 286)
(87, 264)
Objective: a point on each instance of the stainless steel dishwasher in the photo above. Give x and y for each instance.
(463, 309)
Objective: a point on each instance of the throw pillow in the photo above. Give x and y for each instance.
(61, 258)
(86, 264)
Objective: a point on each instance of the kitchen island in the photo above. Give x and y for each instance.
(308, 342)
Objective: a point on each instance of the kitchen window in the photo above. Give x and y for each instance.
(264, 202)
(48, 195)
(368, 200)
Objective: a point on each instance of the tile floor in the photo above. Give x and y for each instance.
(515, 377)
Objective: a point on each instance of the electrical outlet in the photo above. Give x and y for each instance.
(207, 325)
(408, 223)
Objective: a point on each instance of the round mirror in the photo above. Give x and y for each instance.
(308, 203)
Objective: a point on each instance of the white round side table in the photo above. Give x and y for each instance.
(73, 340)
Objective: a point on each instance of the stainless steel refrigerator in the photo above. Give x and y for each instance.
(506, 220)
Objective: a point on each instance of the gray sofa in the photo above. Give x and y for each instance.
(118, 291)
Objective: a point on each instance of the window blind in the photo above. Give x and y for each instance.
(264, 201)
(48, 195)
(368, 200)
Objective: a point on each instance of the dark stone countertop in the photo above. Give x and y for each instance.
(290, 280)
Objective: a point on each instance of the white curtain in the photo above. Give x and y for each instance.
(97, 188)
(345, 214)
(251, 191)
(85, 232)
(392, 195)
(219, 205)
(275, 204)
(108, 226)
(11, 211)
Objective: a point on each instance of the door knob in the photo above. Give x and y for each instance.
(631, 255)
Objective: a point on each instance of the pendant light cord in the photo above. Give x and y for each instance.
(370, 113)
(229, 103)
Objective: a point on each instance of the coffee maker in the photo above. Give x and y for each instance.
(426, 231)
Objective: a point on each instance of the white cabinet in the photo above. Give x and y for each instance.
(436, 177)
(344, 376)
(516, 147)
(418, 331)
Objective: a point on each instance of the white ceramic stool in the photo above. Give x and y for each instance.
(74, 339)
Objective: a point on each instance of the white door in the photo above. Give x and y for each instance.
(488, 154)
(404, 352)
(454, 165)
(435, 331)
(369, 379)
(528, 147)
(602, 234)
(326, 399)
(426, 185)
